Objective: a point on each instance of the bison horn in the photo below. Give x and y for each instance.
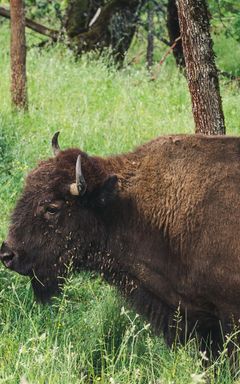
(55, 145)
(78, 188)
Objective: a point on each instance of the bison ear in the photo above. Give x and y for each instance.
(104, 194)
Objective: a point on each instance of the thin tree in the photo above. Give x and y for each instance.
(150, 37)
(200, 67)
(18, 55)
(174, 33)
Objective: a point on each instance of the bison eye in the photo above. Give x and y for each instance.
(52, 209)
(49, 208)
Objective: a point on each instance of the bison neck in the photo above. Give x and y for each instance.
(144, 250)
(135, 252)
(135, 258)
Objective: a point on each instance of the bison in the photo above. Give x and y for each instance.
(162, 223)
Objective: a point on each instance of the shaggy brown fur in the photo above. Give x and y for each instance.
(161, 223)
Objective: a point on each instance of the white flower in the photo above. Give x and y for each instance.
(204, 355)
(198, 378)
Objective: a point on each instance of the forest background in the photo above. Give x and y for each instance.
(89, 334)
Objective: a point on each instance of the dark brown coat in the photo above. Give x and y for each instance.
(162, 223)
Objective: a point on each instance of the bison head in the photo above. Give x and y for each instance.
(58, 220)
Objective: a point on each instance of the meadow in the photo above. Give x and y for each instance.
(89, 334)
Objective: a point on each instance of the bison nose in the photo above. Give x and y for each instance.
(7, 255)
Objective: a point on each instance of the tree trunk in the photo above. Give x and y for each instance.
(150, 37)
(174, 32)
(122, 28)
(200, 67)
(113, 27)
(79, 14)
(18, 55)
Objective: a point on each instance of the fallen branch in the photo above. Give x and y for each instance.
(52, 33)
(169, 50)
(136, 59)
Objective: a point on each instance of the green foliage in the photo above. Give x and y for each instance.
(160, 14)
(37, 9)
(88, 334)
(226, 17)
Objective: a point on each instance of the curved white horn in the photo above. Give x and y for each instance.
(78, 188)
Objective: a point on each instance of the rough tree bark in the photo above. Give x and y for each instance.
(201, 70)
(18, 55)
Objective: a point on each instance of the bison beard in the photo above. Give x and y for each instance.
(161, 223)
(43, 291)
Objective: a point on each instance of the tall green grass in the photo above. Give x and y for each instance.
(89, 335)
